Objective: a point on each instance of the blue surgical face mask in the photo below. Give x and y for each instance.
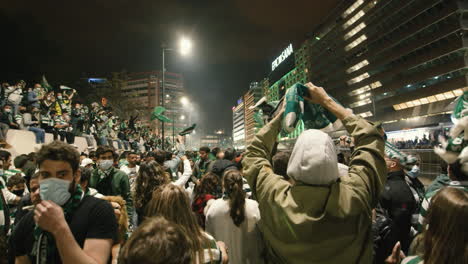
(55, 190)
(414, 173)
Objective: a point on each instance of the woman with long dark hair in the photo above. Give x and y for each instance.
(172, 202)
(233, 219)
(150, 177)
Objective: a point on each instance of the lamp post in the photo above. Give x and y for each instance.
(185, 103)
(185, 47)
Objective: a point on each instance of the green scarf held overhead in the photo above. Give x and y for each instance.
(313, 115)
(45, 84)
(44, 244)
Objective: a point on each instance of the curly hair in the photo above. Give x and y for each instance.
(209, 184)
(123, 220)
(150, 176)
(59, 151)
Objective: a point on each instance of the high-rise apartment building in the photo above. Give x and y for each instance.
(238, 124)
(244, 125)
(143, 91)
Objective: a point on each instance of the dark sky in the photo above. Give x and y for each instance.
(234, 42)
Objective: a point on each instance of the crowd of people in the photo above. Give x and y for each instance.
(428, 140)
(43, 110)
(305, 205)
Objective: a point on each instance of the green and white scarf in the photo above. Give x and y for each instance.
(313, 115)
(44, 247)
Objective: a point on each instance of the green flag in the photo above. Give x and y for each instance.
(158, 114)
(188, 130)
(45, 84)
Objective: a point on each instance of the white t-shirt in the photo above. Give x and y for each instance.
(132, 174)
(244, 242)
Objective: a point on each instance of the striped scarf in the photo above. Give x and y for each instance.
(4, 214)
(44, 247)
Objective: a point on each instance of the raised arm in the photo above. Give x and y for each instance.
(256, 163)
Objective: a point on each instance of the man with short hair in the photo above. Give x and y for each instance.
(131, 169)
(5, 160)
(108, 180)
(67, 226)
(398, 200)
(62, 125)
(203, 165)
(32, 198)
(6, 122)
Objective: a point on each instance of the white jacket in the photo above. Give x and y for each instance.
(244, 242)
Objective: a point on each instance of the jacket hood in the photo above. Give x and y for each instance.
(313, 159)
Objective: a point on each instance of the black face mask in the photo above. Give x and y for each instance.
(18, 192)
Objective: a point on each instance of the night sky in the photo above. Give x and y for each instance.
(234, 42)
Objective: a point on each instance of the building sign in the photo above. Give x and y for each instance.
(284, 55)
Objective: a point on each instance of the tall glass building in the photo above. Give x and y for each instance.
(399, 61)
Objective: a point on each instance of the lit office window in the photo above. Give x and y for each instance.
(359, 78)
(366, 114)
(357, 66)
(362, 96)
(360, 103)
(354, 31)
(429, 99)
(352, 8)
(355, 43)
(360, 91)
(353, 19)
(376, 84)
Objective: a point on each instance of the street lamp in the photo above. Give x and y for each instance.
(184, 49)
(184, 101)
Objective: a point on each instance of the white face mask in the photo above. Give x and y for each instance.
(55, 190)
(105, 164)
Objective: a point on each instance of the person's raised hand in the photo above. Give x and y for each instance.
(396, 256)
(316, 95)
(49, 216)
(224, 249)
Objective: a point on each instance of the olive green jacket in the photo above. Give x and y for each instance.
(318, 224)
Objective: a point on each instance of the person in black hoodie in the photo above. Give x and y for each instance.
(225, 164)
(398, 200)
